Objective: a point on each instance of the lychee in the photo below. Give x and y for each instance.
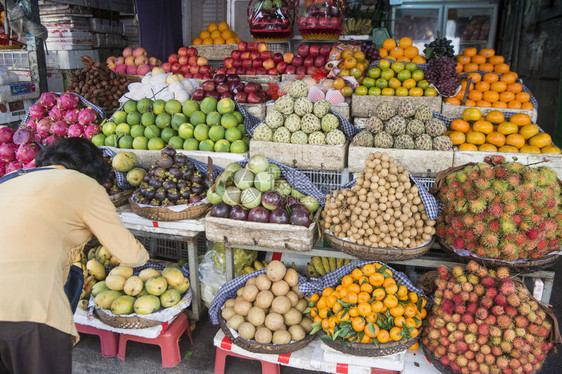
(486, 302)
(510, 311)
(479, 289)
(471, 307)
(483, 329)
(506, 346)
(481, 313)
(504, 321)
(502, 362)
(497, 310)
(500, 301)
(491, 320)
(495, 332)
(513, 300)
(509, 335)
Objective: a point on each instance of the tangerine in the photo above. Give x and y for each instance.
(527, 106)
(419, 59)
(486, 67)
(520, 119)
(507, 96)
(467, 147)
(495, 116)
(508, 128)
(529, 149)
(383, 336)
(484, 104)
(475, 95)
(482, 86)
(469, 52)
(470, 67)
(463, 59)
(223, 26)
(491, 96)
(197, 41)
(453, 101)
(491, 77)
(494, 60)
(389, 44)
(471, 114)
(509, 77)
(501, 68)
(476, 77)
(478, 60)
(498, 86)
(514, 104)
(457, 137)
(540, 140)
(476, 138)
(508, 149)
(483, 126)
(499, 105)
(496, 138)
(487, 147)
(460, 125)
(516, 140)
(523, 97)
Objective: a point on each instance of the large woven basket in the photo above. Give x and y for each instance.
(317, 33)
(446, 369)
(157, 213)
(528, 266)
(255, 347)
(125, 322)
(365, 252)
(371, 350)
(122, 197)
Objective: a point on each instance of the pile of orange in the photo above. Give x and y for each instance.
(485, 60)
(368, 306)
(216, 34)
(404, 51)
(493, 133)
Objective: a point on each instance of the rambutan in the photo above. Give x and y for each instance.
(483, 329)
(510, 257)
(510, 237)
(488, 282)
(457, 299)
(450, 230)
(467, 318)
(481, 183)
(487, 173)
(502, 272)
(497, 310)
(461, 346)
(472, 195)
(444, 360)
(470, 236)
(486, 302)
(523, 193)
(517, 219)
(532, 234)
(459, 194)
(495, 210)
(530, 338)
(535, 219)
(510, 311)
(490, 239)
(461, 176)
(454, 184)
(481, 313)
(515, 167)
(514, 363)
(471, 307)
(504, 321)
(481, 251)
(474, 280)
(518, 342)
(510, 207)
(551, 203)
(508, 249)
(447, 306)
(460, 309)
(500, 172)
(499, 186)
(507, 287)
(538, 196)
(508, 226)
(477, 206)
(494, 226)
(488, 194)
(543, 332)
(530, 175)
(533, 329)
(550, 225)
(472, 266)
(519, 331)
(502, 362)
(514, 180)
(495, 332)
(506, 346)
(479, 228)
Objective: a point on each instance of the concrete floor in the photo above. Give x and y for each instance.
(143, 358)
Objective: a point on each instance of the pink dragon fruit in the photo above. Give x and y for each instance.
(30, 165)
(23, 135)
(71, 117)
(67, 101)
(27, 152)
(31, 124)
(8, 152)
(6, 135)
(2, 168)
(48, 99)
(13, 166)
(91, 130)
(56, 114)
(37, 111)
(49, 140)
(59, 128)
(75, 131)
(43, 127)
(87, 116)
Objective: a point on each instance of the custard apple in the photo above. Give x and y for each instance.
(293, 123)
(424, 142)
(303, 106)
(385, 111)
(383, 140)
(321, 108)
(299, 137)
(374, 125)
(330, 122)
(335, 137)
(435, 127)
(404, 142)
(442, 143)
(424, 113)
(274, 119)
(415, 127)
(284, 105)
(395, 126)
(282, 135)
(310, 123)
(317, 137)
(363, 139)
(263, 133)
(406, 109)
(298, 89)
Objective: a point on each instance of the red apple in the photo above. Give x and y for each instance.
(254, 98)
(222, 88)
(301, 70)
(245, 54)
(302, 50)
(182, 60)
(198, 76)
(251, 71)
(182, 51)
(202, 61)
(221, 70)
(281, 67)
(252, 46)
(241, 71)
(297, 61)
(191, 60)
(261, 71)
(324, 22)
(193, 69)
(231, 70)
(184, 69)
(176, 68)
(258, 62)
(242, 46)
(261, 47)
(311, 70)
(228, 62)
(254, 55)
(312, 22)
(269, 64)
(173, 58)
(191, 51)
(319, 61)
(266, 55)
(246, 63)
(325, 50)
(237, 63)
(235, 54)
(188, 75)
(291, 69)
(241, 97)
(308, 61)
(273, 71)
(288, 57)
(167, 67)
(205, 69)
(302, 21)
(314, 50)
(277, 58)
(208, 85)
(335, 22)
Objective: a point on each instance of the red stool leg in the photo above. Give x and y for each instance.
(122, 347)
(170, 351)
(188, 330)
(220, 361)
(109, 343)
(270, 368)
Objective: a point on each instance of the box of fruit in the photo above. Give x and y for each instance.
(266, 204)
(455, 111)
(342, 109)
(215, 52)
(364, 105)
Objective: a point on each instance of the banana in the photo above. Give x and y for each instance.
(294, 267)
(258, 265)
(347, 261)
(248, 270)
(332, 262)
(317, 263)
(339, 262)
(311, 271)
(264, 263)
(326, 264)
(92, 253)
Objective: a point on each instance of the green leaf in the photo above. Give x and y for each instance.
(371, 328)
(338, 333)
(419, 304)
(345, 304)
(188, 355)
(316, 328)
(326, 337)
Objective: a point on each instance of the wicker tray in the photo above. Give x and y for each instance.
(122, 197)
(255, 347)
(371, 350)
(437, 363)
(375, 253)
(125, 322)
(271, 35)
(164, 214)
(526, 267)
(315, 33)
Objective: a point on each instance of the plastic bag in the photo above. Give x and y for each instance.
(271, 14)
(321, 14)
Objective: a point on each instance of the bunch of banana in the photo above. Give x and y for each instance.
(101, 254)
(320, 266)
(360, 26)
(257, 265)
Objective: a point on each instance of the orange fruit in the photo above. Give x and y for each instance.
(219, 41)
(491, 96)
(508, 128)
(507, 96)
(197, 41)
(226, 34)
(212, 27)
(403, 59)
(410, 311)
(207, 41)
(205, 34)
(389, 44)
(529, 149)
(527, 105)
(376, 279)
(327, 291)
(390, 301)
(413, 297)
(515, 140)
(339, 83)
(377, 306)
(388, 282)
(415, 91)
(508, 148)
(520, 119)
(475, 95)
(471, 114)
(486, 67)
(383, 52)
(514, 104)
(491, 77)
(460, 125)
(353, 312)
(314, 297)
(215, 34)
(487, 52)
(398, 310)
(396, 52)
(499, 104)
(366, 287)
(494, 60)
(356, 274)
(467, 147)
(411, 52)
(231, 41)
(495, 116)
(484, 104)
(464, 84)
(419, 59)
(459, 68)
(509, 77)
(540, 140)
(498, 86)
(469, 52)
(470, 103)
(371, 330)
(528, 131)
(482, 86)
(483, 126)
(383, 336)
(501, 68)
(476, 77)
(414, 332)
(496, 138)
(457, 137)
(350, 62)
(523, 97)
(515, 87)
(463, 59)
(475, 138)
(358, 323)
(470, 67)
(550, 149)
(396, 333)
(478, 60)
(487, 147)
(363, 297)
(405, 42)
(402, 292)
(223, 26)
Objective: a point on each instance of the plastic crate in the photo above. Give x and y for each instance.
(328, 181)
(281, 47)
(14, 59)
(205, 12)
(171, 249)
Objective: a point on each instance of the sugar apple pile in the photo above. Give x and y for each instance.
(297, 120)
(404, 127)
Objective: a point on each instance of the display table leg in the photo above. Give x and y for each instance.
(194, 278)
(229, 259)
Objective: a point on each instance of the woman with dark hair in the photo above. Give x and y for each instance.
(47, 217)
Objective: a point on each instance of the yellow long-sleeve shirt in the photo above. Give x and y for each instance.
(46, 218)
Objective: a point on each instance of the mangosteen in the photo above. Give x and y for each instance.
(145, 201)
(167, 202)
(155, 182)
(107, 185)
(197, 178)
(194, 199)
(196, 189)
(154, 202)
(182, 201)
(175, 172)
(146, 178)
(142, 189)
(173, 195)
(185, 193)
(168, 185)
(187, 175)
(158, 172)
(150, 192)
(165, 162)
(180, 159)
(190, 166)
(160, 194)
(181, 184)
(169, 151)
(114, 190)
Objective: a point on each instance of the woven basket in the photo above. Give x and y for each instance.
(529, 266)
(271, 35)
(315, 33)
(371, 350)
(375, 253)
(255, 347)
(157, 213)
(446, 369)
(122, 197)
(125, 322)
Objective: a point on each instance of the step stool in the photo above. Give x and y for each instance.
(167, 340)
(220, 362)
(108, 339)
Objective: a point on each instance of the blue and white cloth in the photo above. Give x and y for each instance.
(119, 176)
(97, 109)
(250, 121)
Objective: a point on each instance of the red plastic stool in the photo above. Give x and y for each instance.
(167, 340)
(220, 362)
(108, 339)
